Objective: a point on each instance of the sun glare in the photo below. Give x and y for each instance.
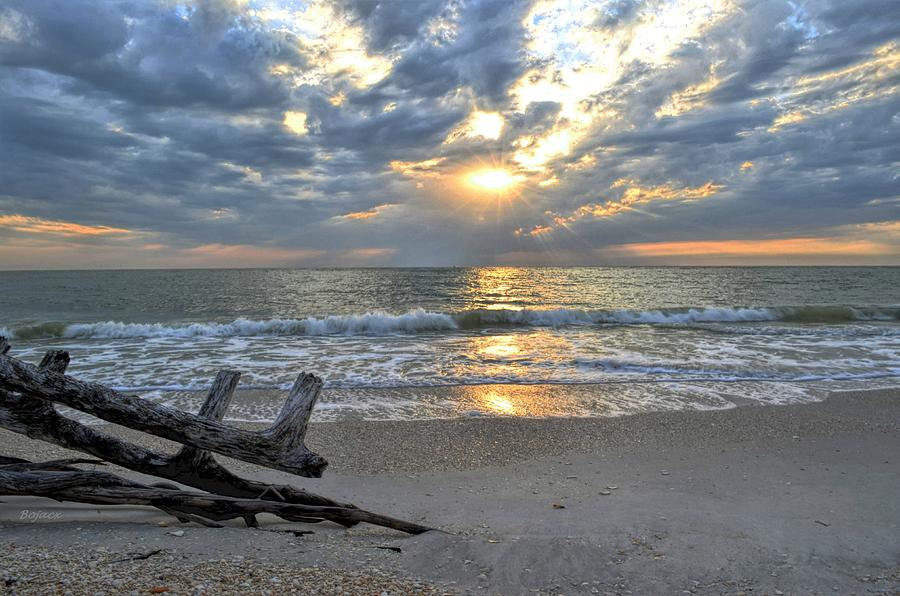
(492, 179)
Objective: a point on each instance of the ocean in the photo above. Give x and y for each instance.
(481, 341)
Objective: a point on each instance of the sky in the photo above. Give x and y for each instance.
(228, 133)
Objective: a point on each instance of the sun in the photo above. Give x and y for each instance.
(492, 179)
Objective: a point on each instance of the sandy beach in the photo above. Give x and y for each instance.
(795, 499)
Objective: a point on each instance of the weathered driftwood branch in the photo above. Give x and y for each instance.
(32, 413)
(56, 465)
(199, 468)
(102, 488)
(279, 447)
(38, 419)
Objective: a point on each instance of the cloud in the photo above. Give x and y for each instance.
(267, 127)
(390, 23)
(484, 125)
(296, 122)
(367, 214)
(36, 225)
(155, 54)
(632, 194)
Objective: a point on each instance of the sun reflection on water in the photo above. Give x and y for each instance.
(496, 288)
(514, 355)
(497, 345)
(515, 400)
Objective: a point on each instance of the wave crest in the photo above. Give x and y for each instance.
(420, 320)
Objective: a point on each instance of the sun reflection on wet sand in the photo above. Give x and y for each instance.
(498, 403)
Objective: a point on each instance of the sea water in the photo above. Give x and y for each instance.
(413, 343)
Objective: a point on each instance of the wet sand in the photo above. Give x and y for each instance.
(793, 499)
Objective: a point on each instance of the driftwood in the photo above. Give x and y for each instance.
(26, 396)
(279, 447)
(102, 488)
(38, 419)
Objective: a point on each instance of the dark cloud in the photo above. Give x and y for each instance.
(485, 53)
(692, 129)
(389, 23)
(874, 15)
(61, 35)
(207, 56)
(615, 13)
(54, 131)
(538, 117)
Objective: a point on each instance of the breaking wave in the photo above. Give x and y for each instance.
(419, 321)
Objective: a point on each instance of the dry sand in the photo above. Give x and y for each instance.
(796, 499)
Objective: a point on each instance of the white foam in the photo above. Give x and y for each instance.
(376, 323)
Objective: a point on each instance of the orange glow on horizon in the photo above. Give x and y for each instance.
(757, 248)
(36, 225)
